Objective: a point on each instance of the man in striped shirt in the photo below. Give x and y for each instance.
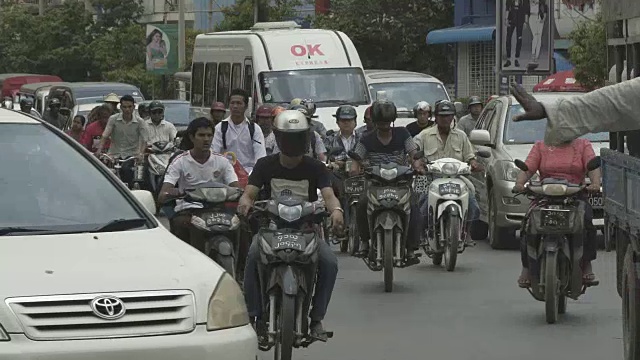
(387, 144)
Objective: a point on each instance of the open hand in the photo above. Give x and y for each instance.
(532, 107)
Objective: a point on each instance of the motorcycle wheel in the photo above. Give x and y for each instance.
(354, 233)
(388, 260)
(630, 308)
(452, 239)
(551, 287)
(286, 334)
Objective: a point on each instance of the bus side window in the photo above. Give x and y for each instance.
(211, 75)
(197, 84)
(236, 76)
(224, 83)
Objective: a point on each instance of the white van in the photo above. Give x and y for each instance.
(277, 62)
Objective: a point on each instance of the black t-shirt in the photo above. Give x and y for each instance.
(302, 181)
(401, 144)
(415, 129)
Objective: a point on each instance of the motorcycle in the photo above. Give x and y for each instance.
(115, 164)
(219, 221)
(288, 269)
(388, 190)
(556, 221)
(447, 210)
(158, 155)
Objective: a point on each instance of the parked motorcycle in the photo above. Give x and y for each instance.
(288, 268)
(157, 159)
(219, 221)
(388, 191)
(553, 227)
(447, 210)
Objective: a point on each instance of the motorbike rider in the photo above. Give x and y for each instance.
(143, 111)
(386, 144)
(53, 116)
(159, 129)
(190, 169)
(468, 122)
(316, 125)
(292, 172)
(218, 111)
(368, 124)
(93, 131)
(112, 99)
(317, 149)
(26, 106)
(264, 118)
(422, 113)
(127, 132)
(443, 141)
(233, 133)
(77, 127)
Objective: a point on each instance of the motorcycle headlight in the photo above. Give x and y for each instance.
(199, 223)
(388, 174)
(226, 306)
(289, 213)
(554, 189)
(450, 168)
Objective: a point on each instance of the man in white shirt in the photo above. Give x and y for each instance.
(233, 133)
(159, 129)
(191, 169)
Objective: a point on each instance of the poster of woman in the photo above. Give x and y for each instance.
(157, 49)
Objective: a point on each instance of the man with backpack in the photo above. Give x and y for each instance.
(239, 135)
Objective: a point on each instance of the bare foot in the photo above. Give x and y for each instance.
(524, 281)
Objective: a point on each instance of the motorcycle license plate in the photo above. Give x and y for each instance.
(596, 200)
(214, 219)
(555, 218)
(288, 241)
(450, 189)
(354, 186)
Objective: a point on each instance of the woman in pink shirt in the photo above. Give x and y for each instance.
(568, 162)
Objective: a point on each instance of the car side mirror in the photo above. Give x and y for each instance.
(418, 155)
(480, 137)
(459, 107)
(594, 163)
(146, 199)
(8, 104)
(483, 154)
(521, 165)
(354, 155)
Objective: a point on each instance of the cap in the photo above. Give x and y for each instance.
(112, 97)
(346, 112)
(264, 110)
(155, 105)
(474, 100)
(218, 106)
(445, 108)
(296, 101)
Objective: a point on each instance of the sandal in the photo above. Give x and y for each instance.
(590, 279)
(524, 282)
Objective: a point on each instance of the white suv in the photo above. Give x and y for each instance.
(86, 272)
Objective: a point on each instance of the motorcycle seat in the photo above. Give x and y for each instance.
(550, 181)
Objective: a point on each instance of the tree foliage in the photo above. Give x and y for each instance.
(589, 52)
(240, 15)
(390, 34)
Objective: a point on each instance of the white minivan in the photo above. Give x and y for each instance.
(277, 62)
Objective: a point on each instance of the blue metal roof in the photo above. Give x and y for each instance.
(463, 33)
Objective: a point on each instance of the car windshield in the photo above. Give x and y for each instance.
(177, 113)
(408, 94)
(98, 99)
(326, 87)
(528, 132)
(50, 185)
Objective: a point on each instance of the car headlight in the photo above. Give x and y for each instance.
(3, 334)
(388, 174)
(289, 213)
(511, 171)
(450, 168)
(226, 306)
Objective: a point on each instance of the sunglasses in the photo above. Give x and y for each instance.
(157, 112)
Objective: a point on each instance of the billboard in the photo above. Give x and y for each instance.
(524, 31)
(162, 48)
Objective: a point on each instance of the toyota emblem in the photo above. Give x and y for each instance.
(108, 307)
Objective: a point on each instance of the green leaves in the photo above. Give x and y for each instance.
(240, 15)
(589, 52)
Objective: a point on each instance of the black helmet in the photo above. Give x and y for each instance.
(383, 111)
(474, 100)
(346, 112)
(26, 102)
(143, 107)
(444, 107)
(156, 105)
(303, 109)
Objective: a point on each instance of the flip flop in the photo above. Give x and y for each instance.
(524, 283)
(590, 279)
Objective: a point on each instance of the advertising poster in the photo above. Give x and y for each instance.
(162, 48)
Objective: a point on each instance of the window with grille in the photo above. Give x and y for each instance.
(482, 81)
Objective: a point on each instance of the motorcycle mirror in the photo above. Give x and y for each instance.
(521, 165)
(594, 163)
(483, 154)
(330, 133)
(418, 155)
(354, 155)
(8, 104)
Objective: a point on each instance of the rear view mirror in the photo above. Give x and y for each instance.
(381, 95)
(459, 107)
(7, 103)
(521, 165)
(146, 199)
(480, 137)
(594, 163)
(354, 155)
(483, 154)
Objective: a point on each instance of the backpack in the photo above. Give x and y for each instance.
(225, 126)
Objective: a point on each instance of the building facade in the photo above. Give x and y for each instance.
(474, 38)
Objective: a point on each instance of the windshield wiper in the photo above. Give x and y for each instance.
(15, 229)
(120, 225)
(339, 102)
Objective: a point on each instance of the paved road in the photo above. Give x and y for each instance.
(475, 313)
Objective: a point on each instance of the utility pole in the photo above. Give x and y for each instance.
(181, 36)
(256, 10)
(41, 7)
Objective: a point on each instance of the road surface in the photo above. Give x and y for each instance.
(474, 313)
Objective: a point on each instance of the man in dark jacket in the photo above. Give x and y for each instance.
(518, 12)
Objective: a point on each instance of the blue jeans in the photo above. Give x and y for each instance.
(474, 209)
(327, 274)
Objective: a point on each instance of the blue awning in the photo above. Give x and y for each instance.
(562, 63)
(464, 33)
